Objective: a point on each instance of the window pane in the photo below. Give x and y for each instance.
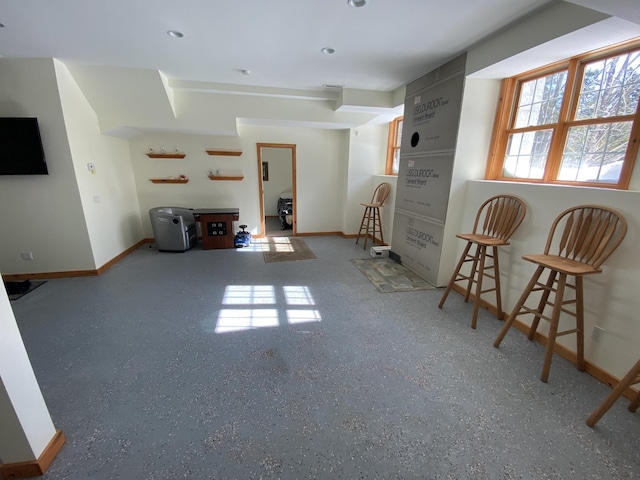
(399, 135)
(610, 87)
(540, 100)
(595, 153)
(527, 154)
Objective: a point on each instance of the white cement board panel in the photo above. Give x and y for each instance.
(423, 185)
(418, 243)
(431, 117)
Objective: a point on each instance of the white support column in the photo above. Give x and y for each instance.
(27, 437)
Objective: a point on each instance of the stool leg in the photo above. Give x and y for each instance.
(542, 304)
(516, 310)
(553, 327)
(496, 273)
(627, 380)
(364, 215)
(455, 274)
(379, 226)
(633, 406)
(580, 363)
(472, 275)
(366, 233)
(374, 213)
(476, 300)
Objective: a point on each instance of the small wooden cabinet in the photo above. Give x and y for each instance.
(216, 225)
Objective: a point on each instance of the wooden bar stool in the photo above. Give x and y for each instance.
(371, 221)
(586, 236)
(631, 378)
(496, 220)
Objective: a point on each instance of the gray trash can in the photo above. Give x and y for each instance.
(174, 228)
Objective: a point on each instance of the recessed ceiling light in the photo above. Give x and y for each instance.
(246, 72)
(357, 3)
(1, 25)
(175, 34)
(328, 50)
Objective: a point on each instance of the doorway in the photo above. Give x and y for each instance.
(276, 182)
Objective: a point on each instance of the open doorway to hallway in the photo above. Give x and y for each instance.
(277, 184)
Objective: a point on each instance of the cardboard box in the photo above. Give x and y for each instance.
(381, 251)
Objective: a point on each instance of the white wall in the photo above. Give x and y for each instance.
(200, 192)
(280, 177)
(611, 297)
(41, 214)
(367, 158)
(479, 102)
(320, 154)
(108, 196)
(557, 20)
(26, 425)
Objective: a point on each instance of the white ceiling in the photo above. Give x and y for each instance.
(381, 46)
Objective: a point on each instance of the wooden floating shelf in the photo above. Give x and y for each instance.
(165, 155)
(169, 180)
(225, 153)
(224, 177)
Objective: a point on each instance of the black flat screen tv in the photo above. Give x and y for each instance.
(21, 151)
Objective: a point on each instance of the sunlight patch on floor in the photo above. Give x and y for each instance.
(246, 319)
(298, 295)
(249, 295)
(275, 244)
(303, 316)
(240, 319)
(254, 246)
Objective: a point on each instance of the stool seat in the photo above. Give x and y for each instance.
(482, 239)
(496, 220)
(561, 264)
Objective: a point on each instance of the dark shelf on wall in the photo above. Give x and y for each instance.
(224, 153)
(165, 155)
(226, 177)
(169, 180)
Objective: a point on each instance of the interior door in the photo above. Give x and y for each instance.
(270, 153)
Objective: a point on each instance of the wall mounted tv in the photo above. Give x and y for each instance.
(21, 150)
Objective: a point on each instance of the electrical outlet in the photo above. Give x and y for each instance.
(597, 333)
(27, 255)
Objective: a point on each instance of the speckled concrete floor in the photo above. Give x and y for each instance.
(216, 365)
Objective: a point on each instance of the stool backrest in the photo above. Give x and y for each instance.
(381, 193)
(499, 216)
(587, 234)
